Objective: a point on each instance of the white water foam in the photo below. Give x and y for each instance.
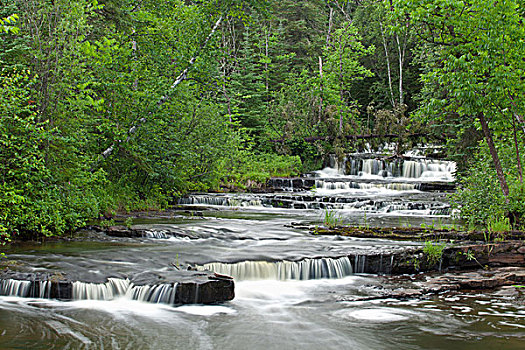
(205, 310)
(375, 314)
(284, 270)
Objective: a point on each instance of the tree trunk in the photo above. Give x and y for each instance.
(401, 55)
(320, 88)
(329, 26)
(495, 158)
(389, 71)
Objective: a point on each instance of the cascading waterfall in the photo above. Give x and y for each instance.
(158, 234)
(306, 269)
(44, 288)
(309, 201)
(336, 185)
(116, 287)
(220, 201)
(100, 291)
(160, 293)
(193, 200)
(373, 185)
(347, 185)
(15, 288)
(412, 169)
(360, 263)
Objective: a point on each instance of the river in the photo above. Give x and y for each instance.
(251, 237)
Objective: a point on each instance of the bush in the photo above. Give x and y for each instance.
(480, 201)
(259, 168)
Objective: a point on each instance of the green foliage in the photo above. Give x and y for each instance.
(478, 48)
(473, 80)
(128, 222)
(433, 252)
(32, 198)
(415, 262)
(470, 256)
(499, 225)
(248, 170)
(479, 201)
(7, 24)
(331, 219)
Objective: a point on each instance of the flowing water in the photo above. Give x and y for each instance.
(294, 290)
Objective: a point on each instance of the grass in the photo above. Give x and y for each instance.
(331, 219)
(433, 251)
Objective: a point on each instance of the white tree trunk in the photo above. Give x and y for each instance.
(389, 71)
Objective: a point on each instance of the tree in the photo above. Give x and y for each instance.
(343, 67)
(477, 73)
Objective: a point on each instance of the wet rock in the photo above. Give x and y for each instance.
(437, 186)
(123, 231)
(290, 184)
(418, 233)
(480, 279)
(413, 260)
(403, 287)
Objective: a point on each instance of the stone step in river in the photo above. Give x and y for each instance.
(415, 203)
(355, 183)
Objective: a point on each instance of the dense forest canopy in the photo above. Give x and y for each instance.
(125, 104)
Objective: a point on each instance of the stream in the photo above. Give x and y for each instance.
(293, 289)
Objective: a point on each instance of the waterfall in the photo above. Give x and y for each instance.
(44, 289)
(389, 186)
(116, 287)
(160, 234)
(221, 201)
(348, 185)
(15, 288)
(160, 293)
(100, 291)
(207, 200)
(413, 169)
(284, 270)
(336, 185)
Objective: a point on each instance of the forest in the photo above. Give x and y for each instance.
(119, 105)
